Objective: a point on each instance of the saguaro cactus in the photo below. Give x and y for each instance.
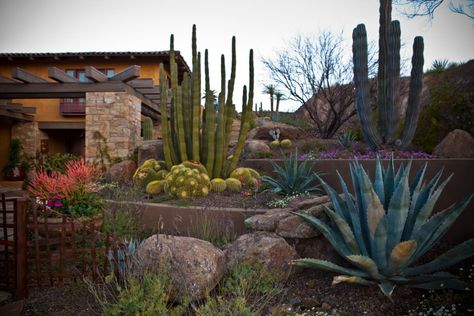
(387, 82)
(210, 136)
(147, 128)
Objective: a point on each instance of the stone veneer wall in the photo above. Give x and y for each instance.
(30, 136)
(113, 122)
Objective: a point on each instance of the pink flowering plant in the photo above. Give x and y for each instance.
(73, 192)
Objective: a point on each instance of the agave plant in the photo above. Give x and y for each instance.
(346, 139)
(293, 177)
(387, 227)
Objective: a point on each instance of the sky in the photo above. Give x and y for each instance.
(264, 25)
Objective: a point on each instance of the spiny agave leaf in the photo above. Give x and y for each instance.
(375, 212)
(387, 288)
(427, 209)
(452, 256)
(367, 264)
(442, 284)
(401, 253)
(418, 178)
(361, 204)
(389, 182)
(397, 213)
(379, 244)
(423, 278)
(336, 201)
(332, 236)
(378, 182)
(351, 279)
(345, 230)
(355, 221)
(328, 266)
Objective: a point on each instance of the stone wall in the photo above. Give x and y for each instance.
(30, 136)
(113, 122)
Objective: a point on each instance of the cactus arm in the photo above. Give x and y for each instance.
(180, 124)
(245, 119)
(416, 85)
(219, 155)
(393, 81)
(229, 106)
(207, 92)
(187, 112)
(147, 128)
(174, 93)
(167, 145)
(210, 122)
(361, 75)
(196, 98)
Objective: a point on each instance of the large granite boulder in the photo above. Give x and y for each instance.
(268, 249)
(150, 149)
(121, 172)
(195, 265)
(263, 128)
(457, 144)
(257, 146)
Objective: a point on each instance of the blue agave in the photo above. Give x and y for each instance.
(387, 227)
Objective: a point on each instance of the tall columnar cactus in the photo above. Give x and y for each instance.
(186, 135)
(387, 81)
(147, 128)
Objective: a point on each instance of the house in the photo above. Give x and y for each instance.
(74, 102)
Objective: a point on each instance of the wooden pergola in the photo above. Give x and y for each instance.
(26, 85)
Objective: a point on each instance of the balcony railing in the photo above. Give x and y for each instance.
(72, 107)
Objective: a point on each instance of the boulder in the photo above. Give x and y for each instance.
(457, 144)
(195, 265)
(294, 226)
(257, 146)
(266, 222)
(263, 128)
(319, 248)
(150, 149)
(121, 172)
(265, 248)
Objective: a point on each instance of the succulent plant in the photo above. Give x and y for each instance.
(246, 176)
(388, 227)
(233, 185)
(149, 171)
(155, 187)
(275, 133)
(183, 182)
(292, 177)
(345, 139)
(275, 144)
(286, 143)
(218, 185)
(147, 128)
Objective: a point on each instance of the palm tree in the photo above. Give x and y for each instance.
(279, 96)
(270, 89)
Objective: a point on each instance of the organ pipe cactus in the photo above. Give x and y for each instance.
(147, 128)
(186, 135)
(387, 82)
(387, 227)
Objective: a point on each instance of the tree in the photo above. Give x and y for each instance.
(270, 89)
(427, 8)
(279, 96)
(317, 73)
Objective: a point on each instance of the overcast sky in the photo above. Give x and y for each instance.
(264, 25)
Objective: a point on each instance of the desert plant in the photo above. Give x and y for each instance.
(388, 83)
(275, 133)
(292, 177)
(345, 139)
(56, 162)
(439, 65)
(203, 138)
(183, 182)
(388, 228)
(147, 128)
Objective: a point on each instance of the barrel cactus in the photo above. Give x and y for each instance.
(275, 144)
(247, 176)
(183, 182)
(218, 185)
(147, 128)
(286, 143)
(387, 227)
(149, 171)
(233, 185)
(155, 187)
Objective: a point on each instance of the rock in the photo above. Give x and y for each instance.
(305, 203)
(195, 265)
(457, 144)
(268, 249)
(326, 306)
(150, 149)
(294, 226)
(318, 248)
(266, 222)
(309, 302)
(257, 146)
(281, 310)
(286, 131)
(121, 172)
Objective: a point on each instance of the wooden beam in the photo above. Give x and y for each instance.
(27, 77)
(150, 113)
(95, 75)
(141, 83)
(13, 107)
(29, 110)
(60, 75)
(155, 90)
(61, 125)
(7, 80)
(15, 116)
(152, 96)
(127, 74)
(57, 90)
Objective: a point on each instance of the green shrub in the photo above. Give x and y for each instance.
(388, 228)
(313, 145)
(449, 108)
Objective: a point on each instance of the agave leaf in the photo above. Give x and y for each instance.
(423, 278)
(442, 284)
(332, 236)
(361, 204)
(355, 221)
(387, 288)
(336, 201)
(452, 256)
(401, 253)
(366, 264)
(351, 279)
(415, 189)
(379, 243)
(375, 212)
(418, 178)
(397, 213)
(389, 182)
(328, 266)
(427, 209)
(345, 230)
(378, 182)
